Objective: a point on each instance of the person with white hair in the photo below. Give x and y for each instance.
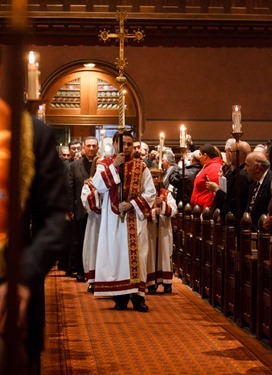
(191, 170)
(149, 162)
(229, 146)
(168, 164)
(258, 168)
(261, 148)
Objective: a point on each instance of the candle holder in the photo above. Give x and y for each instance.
(183, 154)
(237, 135)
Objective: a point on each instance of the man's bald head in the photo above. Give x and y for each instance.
(256, 164)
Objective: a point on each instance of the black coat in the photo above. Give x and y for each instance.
(262, 199)
(227, 202)
(79, 171)
(176, 178)
(45, 210)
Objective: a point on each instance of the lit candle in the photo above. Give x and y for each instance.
(236, 119)
(182, 137)
(33, 75)
(161, 148)
(41, 113)
(102, 135)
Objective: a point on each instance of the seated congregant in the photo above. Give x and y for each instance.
(258, 168)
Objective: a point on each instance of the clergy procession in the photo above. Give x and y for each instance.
(106, 196)
(122, 243)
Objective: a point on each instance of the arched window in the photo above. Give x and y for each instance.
(82, 97)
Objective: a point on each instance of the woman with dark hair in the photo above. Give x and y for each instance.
(212, 164)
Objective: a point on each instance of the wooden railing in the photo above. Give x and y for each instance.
(234, 273)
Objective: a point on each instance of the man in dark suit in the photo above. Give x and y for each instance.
(227, 201)
(258, 168)
(79, 171)
(42, 194)
(75, 148)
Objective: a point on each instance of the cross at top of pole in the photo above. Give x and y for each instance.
(121, 35)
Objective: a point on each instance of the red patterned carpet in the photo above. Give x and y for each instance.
(181, 334)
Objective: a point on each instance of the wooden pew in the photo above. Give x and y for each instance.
(230, 268)
(206, 280)
(218, 258)
(179, 243)
(177, 240)
(187, 255)
(264, 288)
(248, 276)
(196, 249)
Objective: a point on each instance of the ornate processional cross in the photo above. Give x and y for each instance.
(121, 35)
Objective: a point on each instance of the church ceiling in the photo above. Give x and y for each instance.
(164, 22)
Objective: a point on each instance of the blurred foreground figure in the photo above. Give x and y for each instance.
(42, 197)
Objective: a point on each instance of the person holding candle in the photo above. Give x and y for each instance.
(123, 239)
(159, 261)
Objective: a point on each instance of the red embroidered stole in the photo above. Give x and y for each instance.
(132, 184)
(93, 198)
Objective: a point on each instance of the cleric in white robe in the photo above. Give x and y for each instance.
(159, 263)
(123, 243)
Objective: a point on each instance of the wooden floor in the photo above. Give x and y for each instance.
(181, 334)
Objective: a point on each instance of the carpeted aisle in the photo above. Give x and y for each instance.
(181, 334)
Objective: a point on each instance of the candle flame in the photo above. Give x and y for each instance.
(162, 135)
(182, 127)
(31, 57)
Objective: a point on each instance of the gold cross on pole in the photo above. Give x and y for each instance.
(121, 35)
